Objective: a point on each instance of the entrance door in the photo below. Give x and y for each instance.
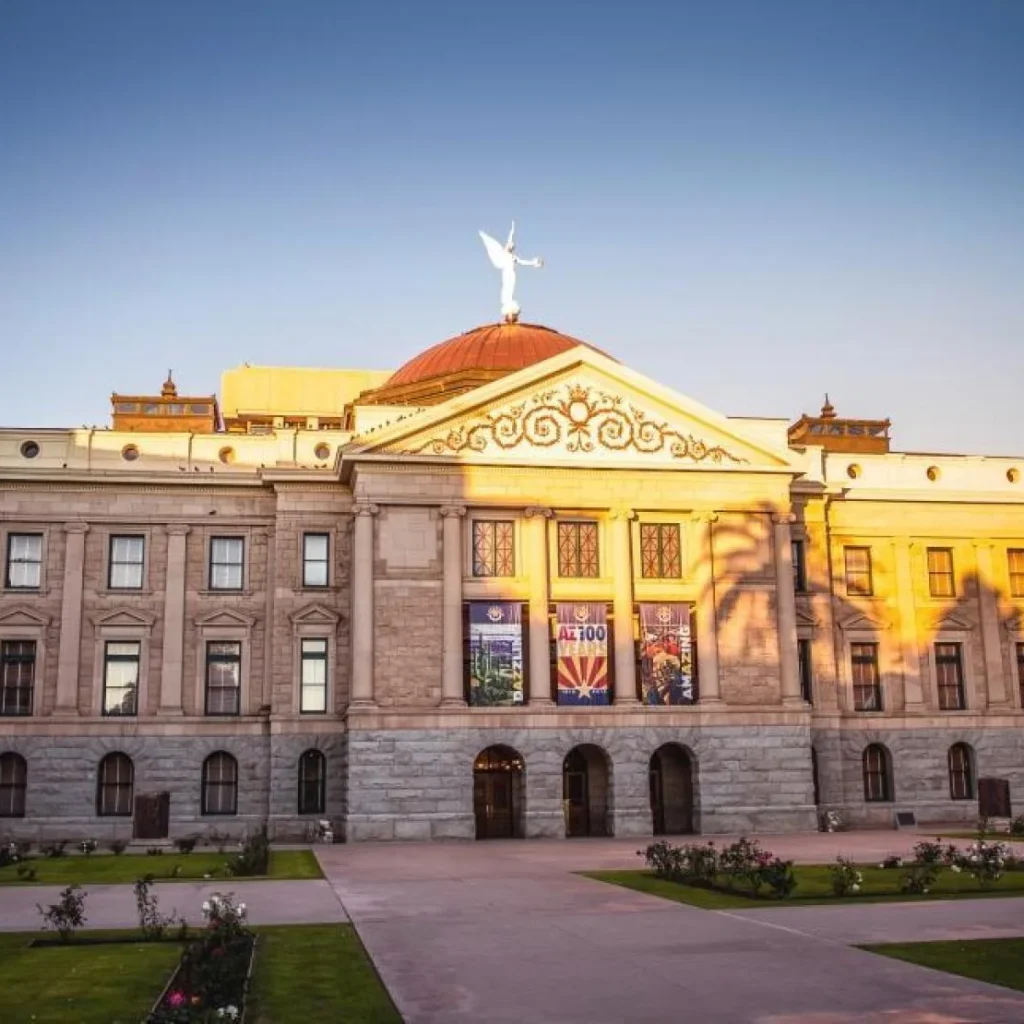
(492, 801)
(576, 795)
(994, 798)
(657, 796)
(152, 816)
(671, 791)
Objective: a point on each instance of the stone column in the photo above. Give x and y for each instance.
(172, 665)
(707, 615)
(362, 605)
(785, 603)
(988, 607)
(622, 607)
(69, 652)
(910, 656)
(452, 691)
(537, 573)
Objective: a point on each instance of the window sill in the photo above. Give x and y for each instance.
(306, 588)
(207, 592)
(26, 591)
(125, 592)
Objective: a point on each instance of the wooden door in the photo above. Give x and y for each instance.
(152, 816)
(994, 798)
(657, 793)
(493, 805)
(575, 793)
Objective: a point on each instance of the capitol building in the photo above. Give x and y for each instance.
(512, 589)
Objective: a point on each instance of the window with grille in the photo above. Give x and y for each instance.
(1015, 556)
(577, 550)
(858, 572)
(121, 677)
(13, 782)
(312, 783)
(803, 648)
(799, 566)
(127, 559)
(493, 547)
(115, 783)
(223, 677)
(877, 776)
(17, 676)
(659, 551)
(315, 559)
(220, 784)
(313, 692)
(24, 561)
(227, 563)
(940, 573)
(961, 776)
(949, 675)
(867, 683)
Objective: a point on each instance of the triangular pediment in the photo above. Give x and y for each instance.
(24, 616)
(225, 617)
(315, 615)
(576, 408)
(952, 622)
(124, 618)
(806, 620)
(863, 621)
(1015, 623)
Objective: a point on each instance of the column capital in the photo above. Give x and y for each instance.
(76, 527)
(538, 511)
(178, 530)
(622, 513)
(783, 518)
(705, 517)
(365, 508)
(456, 511)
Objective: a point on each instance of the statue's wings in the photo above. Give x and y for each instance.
(495, 250)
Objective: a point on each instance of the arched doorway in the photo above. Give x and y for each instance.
(671, 789)
(585, 789)
(498, 793)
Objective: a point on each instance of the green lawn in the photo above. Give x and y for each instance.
(301, 973)
(989, 837)
(813, 886)
(106, 869)
(997, 961)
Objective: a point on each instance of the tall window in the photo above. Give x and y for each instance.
(799, 567)
(227, 562)
(312, 783)
(315, 549)
(17, 676)
(313, 695)
(961, 777)
(121, 678)
(577, 550)
(114, 786)
(220, 784)
(867, 684)
(223, 677)
(858, 572)
(1015, 556)
(127, 556)
(940, 573)
(877, 774)
(949, 674)
(13, 779)
(803, 648)
(1020, 671)
(659, 551)
(493, 547)
(24, 561)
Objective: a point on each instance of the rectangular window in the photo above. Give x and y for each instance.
(1020, 671)
(127, 555)
(121, 678)
(577, 550)
(17, 676)
(940, 573)
(949, 674)
(803, 648)
(315, 549)
(313, 694)
(1015, 557)
(24, 561)
(867, 684)
(858, 572)
(659, 551)
(227, 561)
(223, 677)
(799, 567)
(493, 548)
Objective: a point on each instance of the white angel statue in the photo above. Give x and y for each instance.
(505, 259)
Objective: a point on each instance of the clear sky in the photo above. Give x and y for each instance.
(752, 202)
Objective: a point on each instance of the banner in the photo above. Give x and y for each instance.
(666, 654)
(495, 653)
(582, 650)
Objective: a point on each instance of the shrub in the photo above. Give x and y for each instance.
(742, 862)
(701, 862)
(983, 861)
(22, 848)
(777, 874)
(918, 877)
(664, 860)
(154, 851)
(186, 844)
(1017, 825)
(891, 862)
(926, 853)
(844, 877)
(152, 923)
(8, 856)
(88, 846)
(67, 915)
(118, 846)
(253, 858)
(53, 849)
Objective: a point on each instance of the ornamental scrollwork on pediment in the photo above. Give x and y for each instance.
(583, 419)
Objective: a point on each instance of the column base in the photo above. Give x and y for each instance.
(540, 702)
(65, 713)
(171, 712)
(452, 703)
(626, 702)
(362, 704)
(794, 702)
(710, 702)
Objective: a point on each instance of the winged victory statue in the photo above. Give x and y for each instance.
(505, 259)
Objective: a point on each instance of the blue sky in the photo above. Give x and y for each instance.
(752, 202)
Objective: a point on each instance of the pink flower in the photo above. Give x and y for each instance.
(176, 998)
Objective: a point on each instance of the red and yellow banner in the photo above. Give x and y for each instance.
(582, 650)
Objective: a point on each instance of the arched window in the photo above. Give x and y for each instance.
(13, 777)
(114, 786)
(312, 783)
(220, 784)
(877, 774)
(961, 775)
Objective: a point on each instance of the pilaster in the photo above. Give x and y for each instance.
(69, 653)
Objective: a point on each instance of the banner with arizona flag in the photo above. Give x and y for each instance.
(666, 654)
(581, 647)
